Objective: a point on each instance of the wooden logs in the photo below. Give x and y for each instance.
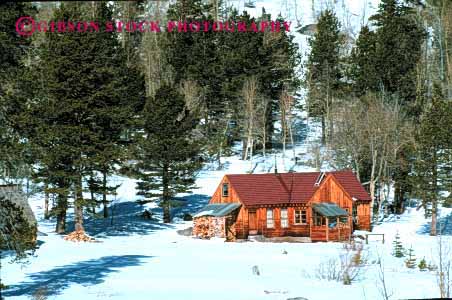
(78, 236)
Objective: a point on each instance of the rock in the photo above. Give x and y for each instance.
(146, 215)
(187, 217)
(256, 270)
(186, 232)
(297, 298)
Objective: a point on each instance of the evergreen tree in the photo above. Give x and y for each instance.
(115, 104)
(431, 169)
(397, 249)
(363, 65)
(323, 69)
(168, 154)
(80, 108)
(13, 49)
(399, 40)
(410, 262)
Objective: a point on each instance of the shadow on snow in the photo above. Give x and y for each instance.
(124, 219)
(86, 273)
(190, 204)
(443, 226)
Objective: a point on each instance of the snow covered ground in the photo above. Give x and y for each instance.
(138, 259)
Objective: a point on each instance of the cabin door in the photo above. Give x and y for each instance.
(252, 222)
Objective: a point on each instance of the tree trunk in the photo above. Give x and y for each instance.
(93, 201)
(434, 194)
(104, 193)
(78, 205)
(434, 218)
(323, 131)
(372, 198)
(61, 214)
(166, 196)
(251, 154)
(399, 185)
(291, 138)
(244, 149)
(46, 201)
(269, 126)
(372, 181)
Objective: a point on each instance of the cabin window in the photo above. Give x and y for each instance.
(284, 218)
(300, 216)
(319, 220)
(225, 190)
(270, 221)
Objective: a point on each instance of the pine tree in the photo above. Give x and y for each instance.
(399, 40)
(79, 110)
(324, 73)
(13, 48)
(363, 65)
(115, 104)
(431, 170)
(410, 262)
(169, 155)
(397, 249)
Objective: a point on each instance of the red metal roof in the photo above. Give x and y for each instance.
(286, 188)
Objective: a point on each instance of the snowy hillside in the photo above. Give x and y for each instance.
(148, 260)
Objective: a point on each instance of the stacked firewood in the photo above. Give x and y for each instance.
(208, 227)
(78, 236)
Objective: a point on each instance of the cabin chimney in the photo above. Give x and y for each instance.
(276, 167)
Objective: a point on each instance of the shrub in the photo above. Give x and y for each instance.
(347, 268)
(423, 265)
(40, 294)
(16, 232)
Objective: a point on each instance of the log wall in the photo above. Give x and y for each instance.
(363, 210)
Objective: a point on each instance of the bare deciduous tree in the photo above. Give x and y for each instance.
(286, 104)
(444, 272)
(371, 130)
(381, 283)
(249, 93)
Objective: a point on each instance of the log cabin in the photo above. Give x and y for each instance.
(319, 206)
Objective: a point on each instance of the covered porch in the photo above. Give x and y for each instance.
(329, 223)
